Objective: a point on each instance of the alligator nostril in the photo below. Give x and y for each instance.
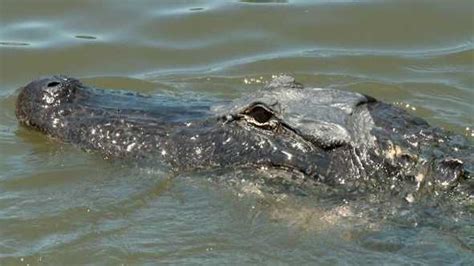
(52, 84)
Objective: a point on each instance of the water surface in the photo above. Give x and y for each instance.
(59, 205)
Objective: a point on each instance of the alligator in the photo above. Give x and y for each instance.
(335, 137)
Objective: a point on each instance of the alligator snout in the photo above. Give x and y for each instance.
(36, 99)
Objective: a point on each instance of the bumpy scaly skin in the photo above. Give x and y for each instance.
(331, 136)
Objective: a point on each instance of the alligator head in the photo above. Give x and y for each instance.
(328, 135)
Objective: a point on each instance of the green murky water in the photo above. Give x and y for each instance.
(59, 205)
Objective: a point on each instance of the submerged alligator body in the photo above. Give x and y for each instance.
(330, 136)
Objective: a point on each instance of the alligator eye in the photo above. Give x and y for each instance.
(259, 113)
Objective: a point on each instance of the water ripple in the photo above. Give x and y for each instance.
(13, 43)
